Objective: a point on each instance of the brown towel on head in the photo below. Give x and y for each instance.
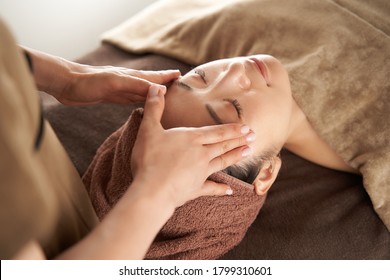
(204, 228)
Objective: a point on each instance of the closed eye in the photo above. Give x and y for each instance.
(236, 106)
(201, 74)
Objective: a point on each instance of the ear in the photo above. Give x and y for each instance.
(267, 175)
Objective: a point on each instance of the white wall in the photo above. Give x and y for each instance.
(68, 28)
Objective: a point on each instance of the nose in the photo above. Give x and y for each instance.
(237, 71)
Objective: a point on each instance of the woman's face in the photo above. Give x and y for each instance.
(253, 90)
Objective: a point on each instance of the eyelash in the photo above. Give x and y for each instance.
(202, 74)
(236, 105)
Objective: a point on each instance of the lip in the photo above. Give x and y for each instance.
(262, 68)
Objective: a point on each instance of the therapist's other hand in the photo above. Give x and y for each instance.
(80, 84)
(108, 84)
(176, 162)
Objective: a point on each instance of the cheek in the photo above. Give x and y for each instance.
(269, 118)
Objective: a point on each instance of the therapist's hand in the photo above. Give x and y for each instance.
(176, 163)
(97, 84)
(79, 84)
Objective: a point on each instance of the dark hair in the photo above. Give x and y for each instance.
(249, 170)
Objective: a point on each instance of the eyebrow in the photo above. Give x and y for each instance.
(213, 114)
(186, 86)
(183, 85)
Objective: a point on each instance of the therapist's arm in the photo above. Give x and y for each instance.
(79, 84)
(125, 233)
(161, 185)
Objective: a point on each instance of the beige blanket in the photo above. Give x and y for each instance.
(337, 54)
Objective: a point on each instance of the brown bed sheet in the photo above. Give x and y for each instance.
(311, 212)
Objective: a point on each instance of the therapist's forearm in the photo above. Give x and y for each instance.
(52, 74)
(128, 230)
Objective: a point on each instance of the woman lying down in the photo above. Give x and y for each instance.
(254, 90)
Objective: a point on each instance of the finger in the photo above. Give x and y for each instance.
(212, 188)
(141, 82)
(219, 133)
(159, 77)
(124, 98)
(133, 84)
(234, 156)
(138, 83)
(221, 148)
(154, 105)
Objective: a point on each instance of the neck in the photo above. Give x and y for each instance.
(304, 141)
(297, 127)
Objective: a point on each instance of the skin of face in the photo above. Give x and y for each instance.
(255, 87)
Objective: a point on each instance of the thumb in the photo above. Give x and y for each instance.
(154, 104)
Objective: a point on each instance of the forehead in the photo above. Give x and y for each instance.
(222, 62)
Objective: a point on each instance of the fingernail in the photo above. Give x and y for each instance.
(229, 191)
(251, 137)
(246, 152)
(163, 89)
(245, 129)
(153, 91)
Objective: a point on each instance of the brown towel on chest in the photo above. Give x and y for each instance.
(204, 228)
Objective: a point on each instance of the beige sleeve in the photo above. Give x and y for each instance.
(41, 195)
